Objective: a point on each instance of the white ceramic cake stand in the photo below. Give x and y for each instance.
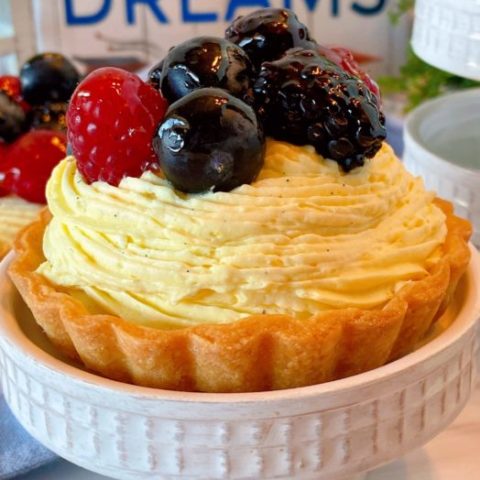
(329, 431)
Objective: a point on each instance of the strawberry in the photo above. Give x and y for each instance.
(29, 162)
(112, 118)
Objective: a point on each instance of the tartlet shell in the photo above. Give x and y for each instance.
(261, 352)
(4, 249)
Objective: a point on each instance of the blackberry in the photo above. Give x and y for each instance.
(345, 60)
(50, 116)
(304, 98)
(13, 120)
(268, 33)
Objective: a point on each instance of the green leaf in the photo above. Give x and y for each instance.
(401, 8)
(420, 81)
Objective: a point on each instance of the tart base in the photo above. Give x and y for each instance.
(260, 352)
(4, 249)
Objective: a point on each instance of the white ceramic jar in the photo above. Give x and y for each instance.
(442, 144)
(446, 34)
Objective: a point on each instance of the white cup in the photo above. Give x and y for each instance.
(442, 144)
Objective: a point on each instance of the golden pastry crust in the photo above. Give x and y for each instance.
(4, 248)
(261, 352)
(15, 213)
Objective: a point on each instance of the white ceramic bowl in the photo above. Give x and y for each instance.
(327, 431)
(442, 144)
(446, 34)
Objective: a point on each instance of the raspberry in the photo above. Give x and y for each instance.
(29, 163)
(304, 98)
(345, 59)
(112, 118)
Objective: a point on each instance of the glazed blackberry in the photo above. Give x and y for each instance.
(345, 60)
(268, 33)
(303, 98)
(50, 116)
(13, 120)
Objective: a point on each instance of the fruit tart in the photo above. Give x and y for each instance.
(237, 223)
(33, 140)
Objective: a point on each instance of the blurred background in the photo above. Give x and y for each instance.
(134, 34)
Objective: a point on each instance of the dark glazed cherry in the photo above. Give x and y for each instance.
(268, 33)
(50, 116)
(12, 119)
(210, 140)
(205, 62)
(48, 77)
(304, 98)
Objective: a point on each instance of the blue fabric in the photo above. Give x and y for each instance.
(19, 452)
(395, 134)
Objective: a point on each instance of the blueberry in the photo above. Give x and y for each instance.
(48, 77)
(155, 74)
(13, 121)
(268, 33)
(210, 140)
(204, 62)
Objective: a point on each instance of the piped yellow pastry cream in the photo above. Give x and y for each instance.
(15, 213)
(304, 237)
